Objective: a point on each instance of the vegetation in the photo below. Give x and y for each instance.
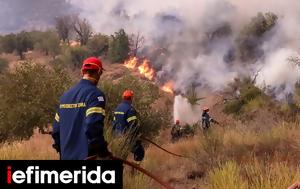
(145, 94)
(119, 47)
(29, 95)
(47, 42)
(98, 45)
(3, 65)
(250, 98)
(251, 37)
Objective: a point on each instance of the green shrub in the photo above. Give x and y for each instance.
(73, 56)
(119, 47)
(251, 38)
(3, 64)
(29, 95)
(8, 43)
(98, 45)
(47, 42)
(250, 98)
(145, 94)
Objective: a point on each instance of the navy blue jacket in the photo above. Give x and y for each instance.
(125, 117)
(206, 119)
(79, 121)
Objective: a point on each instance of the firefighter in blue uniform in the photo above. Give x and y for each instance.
(206, 119)
(79, 121)
(126, 121)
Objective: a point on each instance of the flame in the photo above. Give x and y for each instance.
(131, 63)
(146, 70)
(168, 87)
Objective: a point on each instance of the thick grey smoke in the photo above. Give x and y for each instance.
(17, 15)
(198, 37)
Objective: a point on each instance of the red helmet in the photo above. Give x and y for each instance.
(177, 122)
(128, 94)
(92, 63)
(205, 108)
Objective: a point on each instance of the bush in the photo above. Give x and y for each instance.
(8, 43)
(73, 56)
(23, 43)
(98, 45)
(47, 42)
(29, 95)
(251, 38)
(145, 94)
(119, 47)
(250, 97)
(3, 64)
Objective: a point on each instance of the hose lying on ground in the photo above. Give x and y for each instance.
(165, 150)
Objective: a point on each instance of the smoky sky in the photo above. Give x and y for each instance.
(17, 15)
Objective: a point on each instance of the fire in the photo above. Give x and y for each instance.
(168, 87)
(146, 70)
(131, 63)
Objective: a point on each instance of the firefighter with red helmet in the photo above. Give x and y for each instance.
(206, 119)
(125, 120)
(79, 121)
(176, 131)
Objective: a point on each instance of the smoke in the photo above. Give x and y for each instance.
(198, 38)
(185, 112)
(17, 15)
(283, 75)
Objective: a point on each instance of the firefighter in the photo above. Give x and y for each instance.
(125, 121)
(176, 131)
(79, 121)
(206, 119)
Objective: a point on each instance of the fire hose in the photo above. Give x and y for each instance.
(133, 165)
(165, 150)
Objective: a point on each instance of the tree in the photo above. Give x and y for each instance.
(98, 45)
(23, 44)
(145, 95)
(77, 55)
(29, 97)
(64, 27)
(118, 50)
(83, 30)
(8, 43)
(136, 42)
(251, 37)
(48, 43)
(3, 64)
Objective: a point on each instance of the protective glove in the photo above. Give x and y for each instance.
(56, 147)
(138, 151)
(100, 150)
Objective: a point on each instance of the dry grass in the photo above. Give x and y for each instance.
(224, 158)
(38, 147)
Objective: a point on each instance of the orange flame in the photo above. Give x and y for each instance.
(168, 87)
(146, 70)
(131, 63)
